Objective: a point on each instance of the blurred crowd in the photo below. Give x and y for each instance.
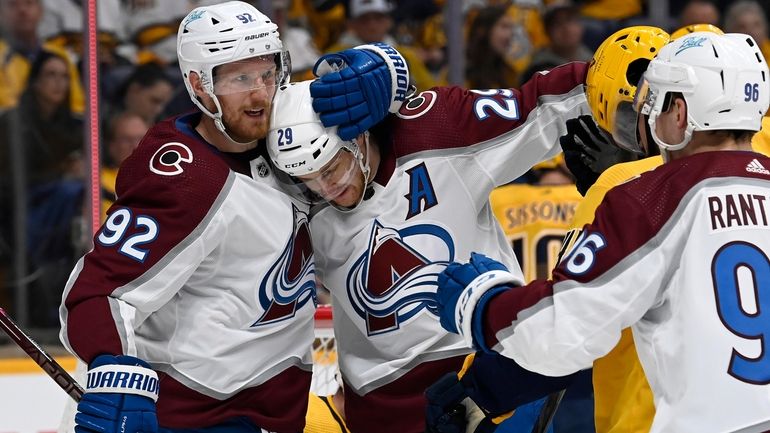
(43, 165)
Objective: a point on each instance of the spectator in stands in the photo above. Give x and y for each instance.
(20, 45)
(601, 18)
(747, 16)
(420, 25)
(430, 41)
(325, 19)
(699, 12)
(124, 131)
(489, 40)
(370, 21)
(297, 40)
(145, 92)
(565, 31)
(62, 25)
(151, 27)
(41, 176)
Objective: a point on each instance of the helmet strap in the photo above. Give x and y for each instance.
(363, 164)
(665, 148)
(217, 117)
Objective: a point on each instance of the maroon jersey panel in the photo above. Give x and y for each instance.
(373, 412)
(172, 178)
(185, 408)
(439, 118)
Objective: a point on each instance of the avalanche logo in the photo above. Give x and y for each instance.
(167, 161)
(395, 278)
(290, 282)
(418, 105)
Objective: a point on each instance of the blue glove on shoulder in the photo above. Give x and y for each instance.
(120, 397)
(358, 87)
(464, 290)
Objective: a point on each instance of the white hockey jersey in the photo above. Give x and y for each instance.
(203, 269)
(430, 205)
(680, 254)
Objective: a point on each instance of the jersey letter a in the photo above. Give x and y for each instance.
(420, 190)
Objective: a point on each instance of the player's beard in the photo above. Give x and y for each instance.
(352, 194)
(246, 127)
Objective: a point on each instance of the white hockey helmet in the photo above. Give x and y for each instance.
(210, 36)
(299, 145)
(723, 78)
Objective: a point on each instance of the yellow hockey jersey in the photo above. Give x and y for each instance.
(323, 416)
(622, 397)
(535, 220)
(761, 141)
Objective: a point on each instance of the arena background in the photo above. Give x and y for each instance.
(53, 197)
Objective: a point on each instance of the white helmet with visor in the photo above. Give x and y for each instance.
(211, 36)
(299, 145)
(723, 79)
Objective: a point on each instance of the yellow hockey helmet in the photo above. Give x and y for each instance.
(686, 30)
(555, 163)
(613, 74)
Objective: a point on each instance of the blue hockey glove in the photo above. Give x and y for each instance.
(463, 288)
(120, 397)
(357, 87)
(588, 151)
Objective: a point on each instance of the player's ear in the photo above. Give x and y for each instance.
(680, 108)
(195, 82)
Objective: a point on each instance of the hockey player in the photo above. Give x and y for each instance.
(194, 310)
(623, 398)
(407, 197)
(699, 334)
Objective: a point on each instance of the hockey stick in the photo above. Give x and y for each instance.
(43, 359)
(547, 412)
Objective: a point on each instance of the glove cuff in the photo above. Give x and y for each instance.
(477, 325)
(399, 72)
(471, 295)
(123, 379)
